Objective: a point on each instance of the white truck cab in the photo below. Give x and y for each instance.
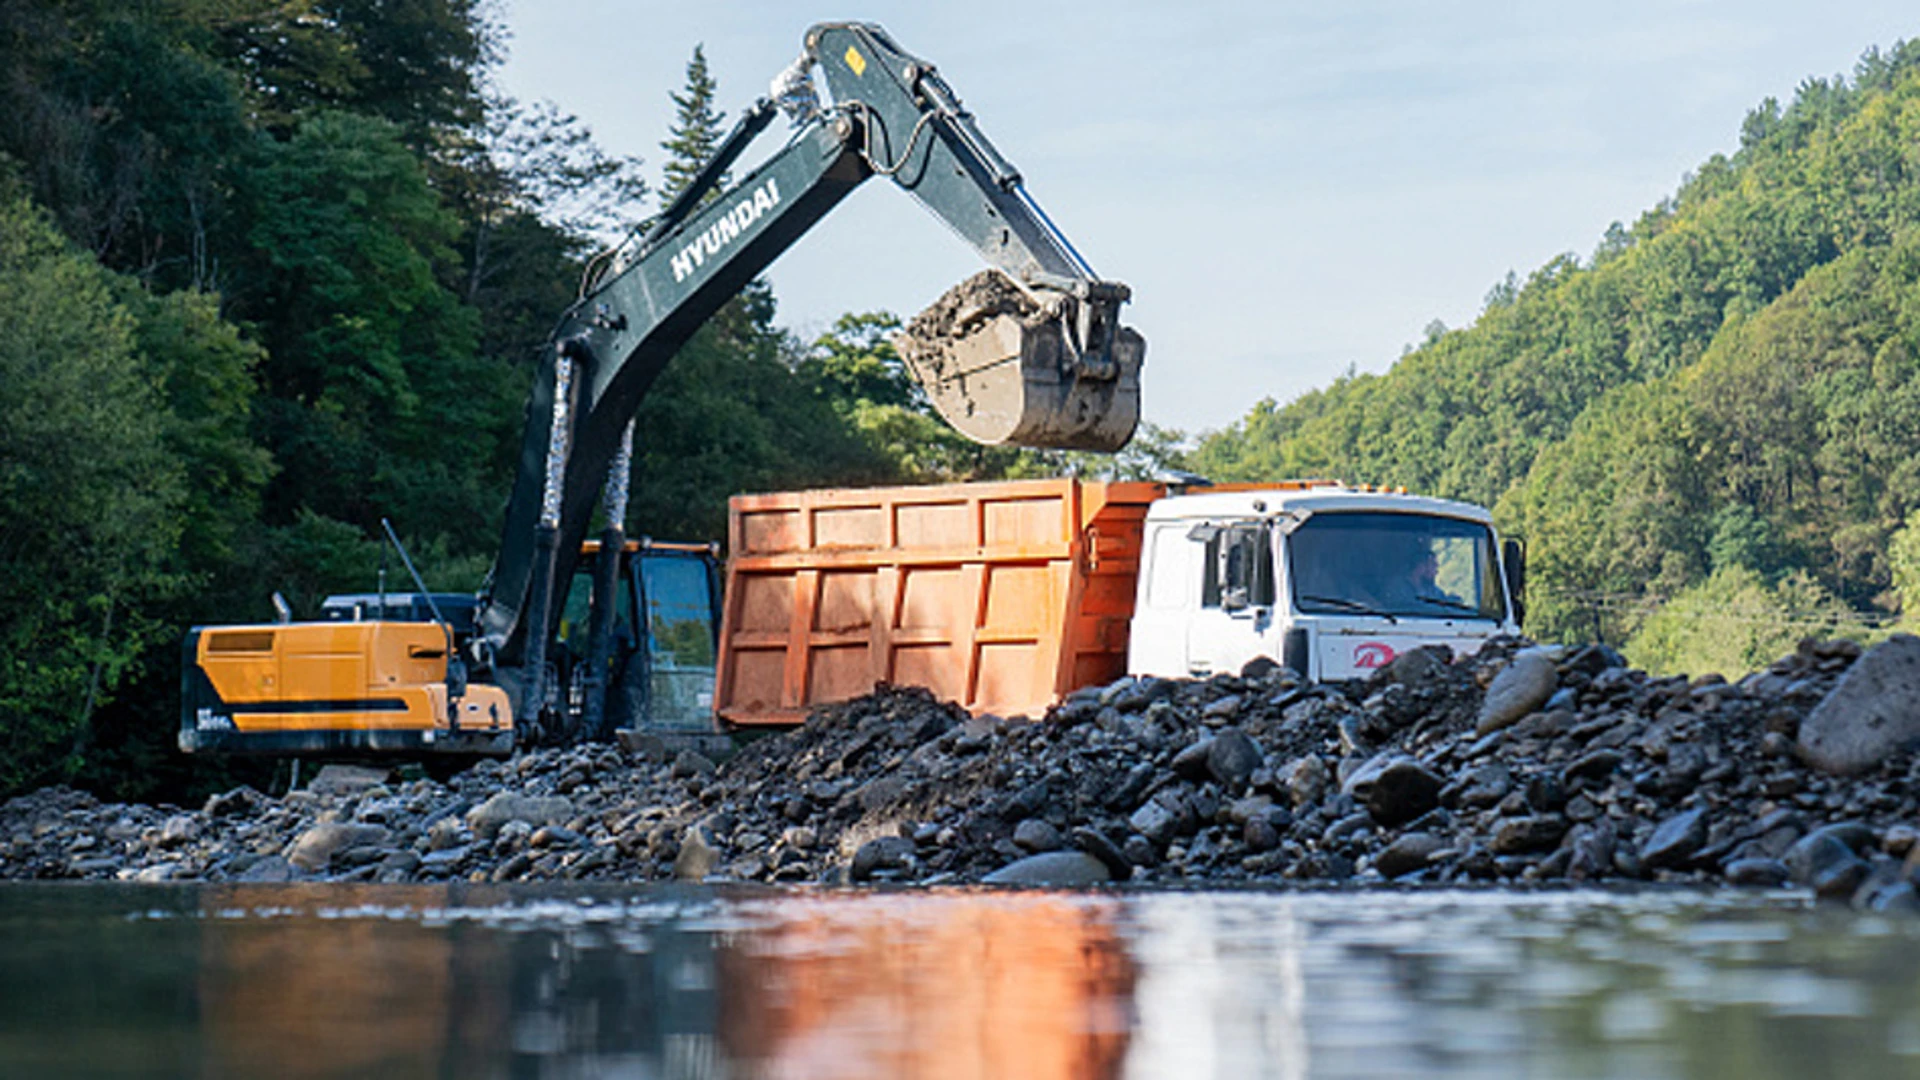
(1329, 580)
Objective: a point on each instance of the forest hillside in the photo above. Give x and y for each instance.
(1705, 429)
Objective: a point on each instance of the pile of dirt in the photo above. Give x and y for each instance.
(925, 341)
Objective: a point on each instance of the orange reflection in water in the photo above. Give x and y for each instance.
(950, 987)
(300, 995)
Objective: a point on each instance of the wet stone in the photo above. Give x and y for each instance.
(1062, 868)
(1675, 840)
(1232, 758)
(1872, 712)
(1408, 854)
(1523, 686)
(1037, 835)
(1757, 872)
(1404, 790)
(885, 853)
(1521, 835)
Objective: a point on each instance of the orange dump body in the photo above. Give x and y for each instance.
(1001, 596)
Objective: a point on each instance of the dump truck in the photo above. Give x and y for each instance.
(1030, 353)
(1005, 597)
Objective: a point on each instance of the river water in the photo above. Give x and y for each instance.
(480, 981)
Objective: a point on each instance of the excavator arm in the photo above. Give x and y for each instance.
(1031, 354)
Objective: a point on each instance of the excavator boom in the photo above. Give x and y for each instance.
(1032, 353)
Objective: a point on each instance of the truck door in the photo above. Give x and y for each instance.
(1230, 624)
(1165, 600)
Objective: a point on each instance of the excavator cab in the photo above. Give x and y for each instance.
(663, 637)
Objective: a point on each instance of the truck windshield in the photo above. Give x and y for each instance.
(1399, 564)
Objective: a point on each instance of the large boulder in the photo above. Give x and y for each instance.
(1052, 868)
(1871, 712)
(1524, 685)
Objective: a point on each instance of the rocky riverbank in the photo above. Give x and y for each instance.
(1516, 765)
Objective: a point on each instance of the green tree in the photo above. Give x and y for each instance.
(696, 130)
(375, 401)
(1734, 622)
(1903, 558)
(94, 498)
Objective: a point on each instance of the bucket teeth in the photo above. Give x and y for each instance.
(1003, 368)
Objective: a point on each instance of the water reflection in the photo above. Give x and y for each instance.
(944, 986)
(470, 981)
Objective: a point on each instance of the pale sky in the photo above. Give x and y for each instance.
(1289, 188)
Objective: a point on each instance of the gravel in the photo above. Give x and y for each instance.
(1612, 775)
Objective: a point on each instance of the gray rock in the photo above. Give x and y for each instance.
(1590, 851)
(1828, 857)
(1521, 835)
(1757, 871)
(1417, 667)
(882, 791)
(1064, 868)
(1191, 763)
(1259, 834)
(1232, 757)
(1594, 767)
(1840, 880)
(241, 800)
(559, 836)
(698, 855)
(1394, 789)
(535, 810)
(1526, 683)
(1037, 835)
(1261, 668)
(179, 829)
(1223, 709)
(1306, 780)
(1167, 815)
(271, 870)
(1675, 840)
(1095, 843)
(1133, 694)
(692, 763)
(444, 860)
(1153, 821)
(1871, 712)
(445, 833)
(1408, 854)
(315, 849)
(1485, 786)
(881, 854)
(1346, 829)
(1243, 810)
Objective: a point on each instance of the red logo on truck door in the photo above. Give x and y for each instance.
(1372, 654)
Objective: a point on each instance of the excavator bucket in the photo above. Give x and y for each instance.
(1006, 368)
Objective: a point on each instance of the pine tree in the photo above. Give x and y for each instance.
(696, 129)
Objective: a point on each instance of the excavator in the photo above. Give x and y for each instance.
(572, 638)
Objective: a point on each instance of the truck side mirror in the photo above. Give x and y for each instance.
(1513, 560)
